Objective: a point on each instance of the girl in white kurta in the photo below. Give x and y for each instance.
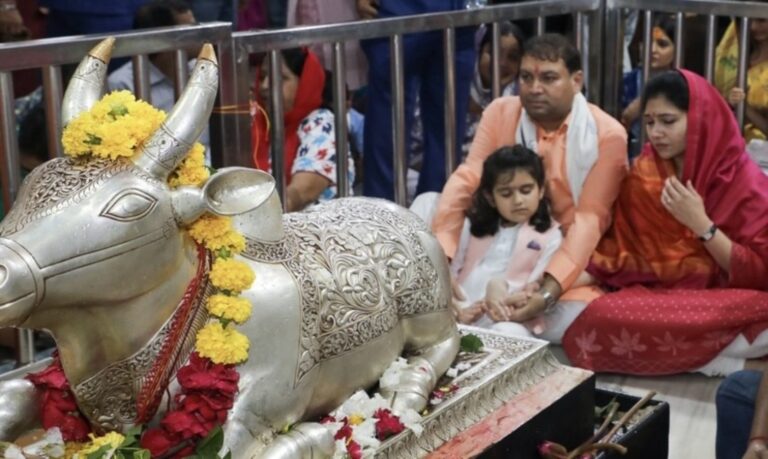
(508, 237)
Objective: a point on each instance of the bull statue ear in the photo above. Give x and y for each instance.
(237, 190)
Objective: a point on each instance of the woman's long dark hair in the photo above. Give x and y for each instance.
(483, 217)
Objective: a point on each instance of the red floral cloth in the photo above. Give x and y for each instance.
(655, 332)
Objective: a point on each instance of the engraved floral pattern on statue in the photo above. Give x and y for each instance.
(58, 184)
(359, 267)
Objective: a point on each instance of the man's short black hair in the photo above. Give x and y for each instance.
(553, 47)
(159, 13)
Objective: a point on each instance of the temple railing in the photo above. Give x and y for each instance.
(710, 11)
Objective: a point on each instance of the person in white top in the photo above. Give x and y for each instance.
(507, 240)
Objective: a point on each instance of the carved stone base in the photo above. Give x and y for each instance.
(513, 382)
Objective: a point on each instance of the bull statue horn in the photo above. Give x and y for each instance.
(87, 84)
(169, 144)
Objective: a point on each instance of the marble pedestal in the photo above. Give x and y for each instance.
(515, 396)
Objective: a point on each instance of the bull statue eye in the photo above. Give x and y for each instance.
(129, 205)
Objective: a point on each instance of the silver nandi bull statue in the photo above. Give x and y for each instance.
(94, 251)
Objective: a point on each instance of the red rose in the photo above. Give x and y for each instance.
(387, 424)
(327, 419)
(183, 424)
(344, 432)
(185, 452)
(51, 377)
(354, 450)
(202, 374)
(57, 404)
(158, 441)
(73, 428)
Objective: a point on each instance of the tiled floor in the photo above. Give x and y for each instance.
(691, 399)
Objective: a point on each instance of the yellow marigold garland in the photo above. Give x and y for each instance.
(231, 275)
(236, 309)
(222, 344)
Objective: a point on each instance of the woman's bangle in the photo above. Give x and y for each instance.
(761, 438)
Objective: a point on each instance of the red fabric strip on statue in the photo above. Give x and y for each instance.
(690, 317)
(309, 97)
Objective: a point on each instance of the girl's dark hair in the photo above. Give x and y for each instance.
(294, 59)
(505, 28)
(484, 219)
(671, 85)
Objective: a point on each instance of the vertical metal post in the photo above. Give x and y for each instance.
(11, 176)
(52, 91)
(181, 74)
(679, 39)
(11, 172)
(578, 25)
(141, 85)
(495, 66)
(231, 125)
(594, 30)
(647, 37)
(340, 110)
(541, 25)
(612, 47)
(449, 111)
(277, 137)
(398, 119)
(709, 53)
(742, 70)
(583, 47)
(25, 343)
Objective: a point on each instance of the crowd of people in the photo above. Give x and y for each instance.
(639, 259)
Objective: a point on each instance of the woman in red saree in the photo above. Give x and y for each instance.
(688, 245)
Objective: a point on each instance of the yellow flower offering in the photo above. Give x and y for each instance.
(232, 308)
(113, 439)
(191, 171)
(222, 345)
(216, 233)
(114, 127)
(231, 275)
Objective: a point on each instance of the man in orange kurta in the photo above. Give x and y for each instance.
(550, 80)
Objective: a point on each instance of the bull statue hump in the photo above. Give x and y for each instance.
(95, 251)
